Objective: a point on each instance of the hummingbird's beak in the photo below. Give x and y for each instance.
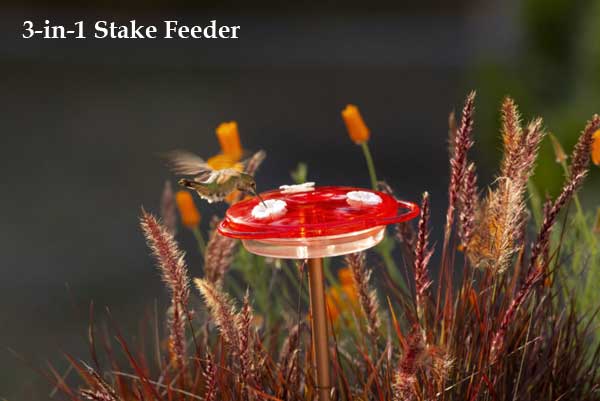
(261, 199)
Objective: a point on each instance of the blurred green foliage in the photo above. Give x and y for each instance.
(555, 74)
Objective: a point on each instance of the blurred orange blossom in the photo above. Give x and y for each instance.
(342, 297)
(596, 148)
(357, 129)
(229, 138)
(190, 216)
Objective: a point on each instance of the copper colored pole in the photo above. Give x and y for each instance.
(318, 308)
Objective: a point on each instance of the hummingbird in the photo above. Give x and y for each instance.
(211, 184)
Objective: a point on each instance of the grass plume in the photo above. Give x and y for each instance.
(580, 158)
(171, 262)
(422, 256)
(367, 296)
(218, 256)
(461, 143)
(222, 311)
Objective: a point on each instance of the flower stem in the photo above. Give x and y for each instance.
(370, 165)
(385, 247)
(536, 203)
(199, 239)
(327, 270)
(288, 270)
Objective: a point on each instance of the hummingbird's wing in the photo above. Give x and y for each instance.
(187, 163)
(252, 163)
(222, 176)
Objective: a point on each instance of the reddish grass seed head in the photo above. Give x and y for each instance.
(463, 141)
(174, 272)
(422, 256)
(583, 148)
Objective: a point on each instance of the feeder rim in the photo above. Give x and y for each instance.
(408, 211)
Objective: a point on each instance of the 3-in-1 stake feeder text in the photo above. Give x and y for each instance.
(170, 29)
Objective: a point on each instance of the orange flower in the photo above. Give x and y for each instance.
(229, 138)
(351, 294)
(223, 161)
(357, 129)
(347, 284)
(343, 297)
(596, 148)
(190, 216)
(334, 302)
(345, 276)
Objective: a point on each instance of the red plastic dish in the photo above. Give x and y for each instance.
(323, 211)
(319, 222)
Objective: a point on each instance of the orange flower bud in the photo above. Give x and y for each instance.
(229, 138)
(190, 216)
(596, 148)
(357, 129)
(224, 161)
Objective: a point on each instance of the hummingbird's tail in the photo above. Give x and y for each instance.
(201, 190)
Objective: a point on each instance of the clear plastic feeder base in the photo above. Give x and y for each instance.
(316, 247)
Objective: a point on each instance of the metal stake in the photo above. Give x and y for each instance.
(318, 308)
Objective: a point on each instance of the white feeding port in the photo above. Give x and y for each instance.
(271, 209)
(292, 189)
(362, 198)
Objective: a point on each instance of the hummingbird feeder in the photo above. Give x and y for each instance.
(304, 222)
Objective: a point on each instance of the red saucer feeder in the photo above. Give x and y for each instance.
(302, 222)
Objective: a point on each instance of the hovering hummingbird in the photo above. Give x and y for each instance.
(209, 183)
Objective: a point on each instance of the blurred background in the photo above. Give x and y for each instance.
(82, 123)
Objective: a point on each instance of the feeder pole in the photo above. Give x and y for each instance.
(318, 308)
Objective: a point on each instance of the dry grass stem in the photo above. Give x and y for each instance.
(580, 157)
(245, 343)
(502, 215)
(222, 311)
(174, 272)
(422, 256)
(168, 208)
(461, 144)
(492, 244)
(536, 270)
(405, 379)
(367, 296)
(100, 391)
(469, 203)
(218, 257)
